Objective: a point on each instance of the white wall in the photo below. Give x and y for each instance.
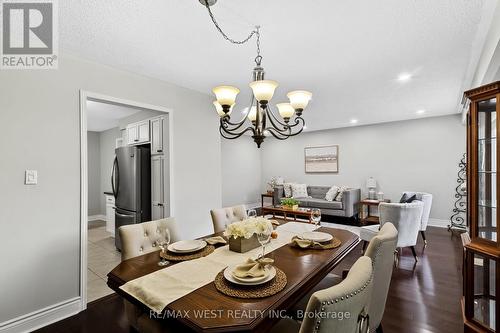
(241, 172)
(41, 224)
(94, 171)
(107, 144)
(420, 155)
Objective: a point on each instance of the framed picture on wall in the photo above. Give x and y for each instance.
(322, 159)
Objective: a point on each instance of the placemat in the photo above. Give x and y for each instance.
(334, 243)
(264, 290)
(188, 256)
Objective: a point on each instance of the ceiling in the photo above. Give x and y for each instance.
(103, 116)
(348, 53)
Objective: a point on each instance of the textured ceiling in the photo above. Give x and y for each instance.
(348, 53)
(103, 116)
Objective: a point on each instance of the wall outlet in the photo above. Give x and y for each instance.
(31, 177)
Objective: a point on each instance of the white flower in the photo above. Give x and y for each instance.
(247, 228)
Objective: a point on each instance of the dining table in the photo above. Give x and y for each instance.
(208, 310)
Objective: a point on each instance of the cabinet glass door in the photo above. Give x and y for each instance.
(486, 168)
(484, 291)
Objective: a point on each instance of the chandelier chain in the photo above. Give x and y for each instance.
(255, 32)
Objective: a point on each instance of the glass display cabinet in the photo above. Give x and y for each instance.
(482, 248)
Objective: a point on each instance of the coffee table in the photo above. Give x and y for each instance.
(304, 212)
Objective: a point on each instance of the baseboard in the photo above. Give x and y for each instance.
(439, 223)
(38, 319)
(97, 218)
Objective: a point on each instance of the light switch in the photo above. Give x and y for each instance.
(31, 177)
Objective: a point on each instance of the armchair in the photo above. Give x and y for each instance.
(426, 198)
(406, 217)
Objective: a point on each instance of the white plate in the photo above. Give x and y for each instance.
(316, 236)
(228, 274)
(187, 246)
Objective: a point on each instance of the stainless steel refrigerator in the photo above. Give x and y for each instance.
(131, 184)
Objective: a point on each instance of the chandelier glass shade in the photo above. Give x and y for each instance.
(259, 118)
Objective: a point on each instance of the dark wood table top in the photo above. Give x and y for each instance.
(303, 268)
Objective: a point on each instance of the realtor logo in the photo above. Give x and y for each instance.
(29, 34)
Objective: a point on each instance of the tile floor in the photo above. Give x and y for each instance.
(102, 257)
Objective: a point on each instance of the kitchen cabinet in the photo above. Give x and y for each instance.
(157, 187)
(110, 214)
(138, 133)
(157, 136)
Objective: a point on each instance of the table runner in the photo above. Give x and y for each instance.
(160, 288)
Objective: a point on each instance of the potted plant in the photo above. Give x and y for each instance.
(290, 203)
(243, 234)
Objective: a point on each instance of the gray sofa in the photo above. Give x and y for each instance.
(348, 207)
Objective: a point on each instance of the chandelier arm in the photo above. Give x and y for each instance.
(277, 134)
(242, 121)
(236, 125)
(297, 121)
(231, 135)
(271, 113)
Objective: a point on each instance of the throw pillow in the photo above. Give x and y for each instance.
(332, 193)
(340, 195)
(403, 199)
(287, 188)
(299, 191)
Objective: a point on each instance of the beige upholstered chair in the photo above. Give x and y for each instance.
(139, 239)
(381, 250)
(142, 238)
(351, 296)
(224, 216)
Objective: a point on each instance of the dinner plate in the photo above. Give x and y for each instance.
(316, 236)
(187, 246)
(228, 275)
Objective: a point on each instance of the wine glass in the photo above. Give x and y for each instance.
(163, 244)
(264, 238)
(252, 213)
(316, 216)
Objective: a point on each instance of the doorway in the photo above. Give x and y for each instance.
(110, 129)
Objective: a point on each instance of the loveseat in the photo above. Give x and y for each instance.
(347, 207)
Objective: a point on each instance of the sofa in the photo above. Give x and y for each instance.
(347, 207)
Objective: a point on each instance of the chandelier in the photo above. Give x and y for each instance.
(259, 118)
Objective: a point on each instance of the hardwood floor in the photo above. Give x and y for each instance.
(422, 298)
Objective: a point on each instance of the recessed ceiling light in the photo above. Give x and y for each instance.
(354, 121)
(420, 111)
(403, 77)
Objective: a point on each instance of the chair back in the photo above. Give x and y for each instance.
(406, 218)
(141, 238)
(381, 251)
(351, 297)
(224, 216)
(426, 198)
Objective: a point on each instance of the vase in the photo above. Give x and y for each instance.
(242, 245)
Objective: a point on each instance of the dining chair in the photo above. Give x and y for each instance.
(381, 251)
(406, 217)
(141, 238)
(138, 239)
(426, 198)
(224, 216)
(351, 296)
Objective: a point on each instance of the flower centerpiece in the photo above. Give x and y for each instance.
(290, 203)
(243, 234)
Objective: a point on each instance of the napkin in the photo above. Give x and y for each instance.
(306, 243)
(215, 240)
(274, 222)
(252, 268)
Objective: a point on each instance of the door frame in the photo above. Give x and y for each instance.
(84, 96)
